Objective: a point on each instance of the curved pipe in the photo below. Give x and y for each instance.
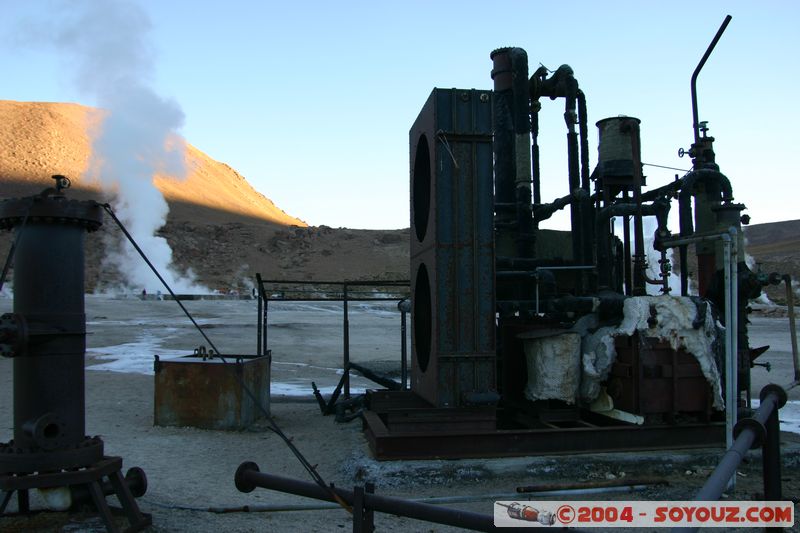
(695, 120)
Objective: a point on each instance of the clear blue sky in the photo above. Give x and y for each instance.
(312, 101)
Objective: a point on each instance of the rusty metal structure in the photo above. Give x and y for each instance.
(201, 390)
(46, 337)
(503, 312)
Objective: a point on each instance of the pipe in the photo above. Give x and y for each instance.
(259, 317)
(750, 432)
(695, 119)
(377, 378)
(404, 306)
(733, 325)
(639, 286)
(730, 269)
(435, 500)
(345, 344)
(511, 147)
(731, 363)
(578, 488)
(248, 477)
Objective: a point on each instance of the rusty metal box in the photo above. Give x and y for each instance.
(649, 377)
(207, 393)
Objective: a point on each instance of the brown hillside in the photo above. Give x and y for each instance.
(39, 139)
(218, 225)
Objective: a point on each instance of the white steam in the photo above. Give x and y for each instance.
(107, 48)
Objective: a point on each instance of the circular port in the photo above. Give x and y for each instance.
(421, 189)
(422, 317)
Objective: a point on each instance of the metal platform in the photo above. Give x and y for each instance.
(401, 425)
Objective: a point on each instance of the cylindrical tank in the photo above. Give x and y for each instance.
(49, 405)
(614, 146)
(512, 152)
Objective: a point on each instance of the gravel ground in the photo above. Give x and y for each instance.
(190, 470)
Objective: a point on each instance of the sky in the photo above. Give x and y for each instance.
(312, 100)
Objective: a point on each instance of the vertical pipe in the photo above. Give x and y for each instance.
(537, 171)
(792, 328)
(734, 323)
(639, 288)
(626, 251)
(695, 119)
(403, 346)
(265, 333)
(259, 322)
(346, 344)
(730, 358)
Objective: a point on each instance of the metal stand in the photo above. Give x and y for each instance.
(89, 479)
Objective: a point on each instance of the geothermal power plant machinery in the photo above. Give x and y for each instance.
(526, 340)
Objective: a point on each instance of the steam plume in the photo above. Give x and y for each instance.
(106, 46)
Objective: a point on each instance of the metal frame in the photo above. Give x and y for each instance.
(342, 294)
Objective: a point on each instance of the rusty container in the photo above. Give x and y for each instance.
(207, 393)
(650, 378)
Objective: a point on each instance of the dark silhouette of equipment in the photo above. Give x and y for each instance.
(46, 337)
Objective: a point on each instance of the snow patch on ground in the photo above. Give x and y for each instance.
(132, 357)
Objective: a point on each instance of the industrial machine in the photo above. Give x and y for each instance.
(526, 340)
(46, 337)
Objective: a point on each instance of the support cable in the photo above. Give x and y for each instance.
(311, 469)
(10, 256)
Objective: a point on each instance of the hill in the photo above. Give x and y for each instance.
(218, 225)
(775, 246)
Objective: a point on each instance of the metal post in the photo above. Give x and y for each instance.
(369, 514)
(792, 327)
(259, 323)
(266, 326)
(731, 364)
(734, 323)
(358, 510)
(771, 458)
(404, 306)
(346, 344)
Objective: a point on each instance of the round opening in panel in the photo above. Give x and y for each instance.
(421, 200)
(422, 317)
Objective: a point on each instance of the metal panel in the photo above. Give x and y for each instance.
(206, 393)
(452, 241)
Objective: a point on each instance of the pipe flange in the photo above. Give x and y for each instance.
(772, 388)
(47, 431)
(13, 335)
(56, 209)
(758, 428)
(241, 484)
(17, 460)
